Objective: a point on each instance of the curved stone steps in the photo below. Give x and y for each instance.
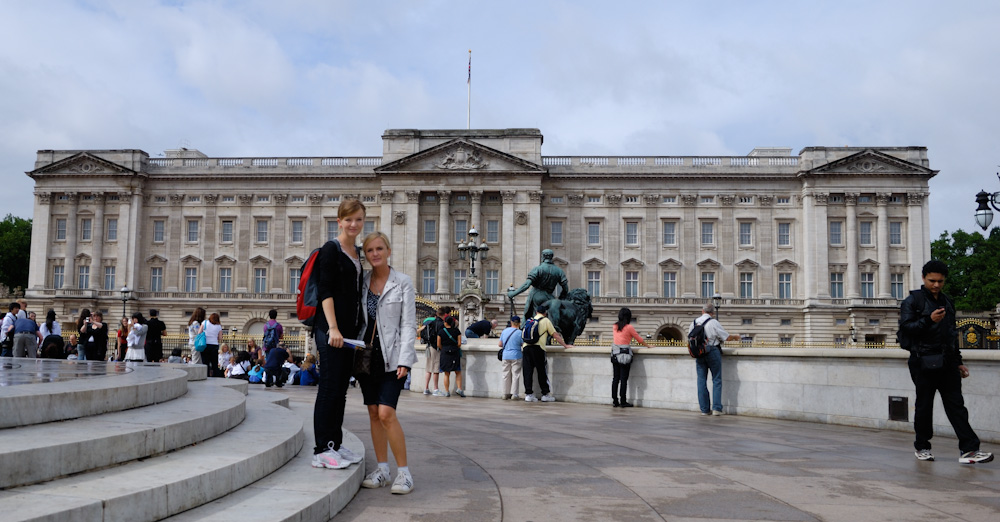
(41, 452)
(165, 485)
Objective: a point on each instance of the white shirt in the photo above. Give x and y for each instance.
(212, 333)
(56, 329)
(715, 334)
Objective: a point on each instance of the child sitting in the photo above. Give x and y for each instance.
(175, 356)
(257, 372)
(309, 375)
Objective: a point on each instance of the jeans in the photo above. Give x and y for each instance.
(335, 367)
(534, 360)
(621, 372)
(711, 361)
(471, 335)
(946, 381)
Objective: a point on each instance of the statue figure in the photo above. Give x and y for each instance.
(543, 279)
(569, 315)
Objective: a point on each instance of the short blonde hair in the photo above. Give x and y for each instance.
(350, 206)
(372, 237)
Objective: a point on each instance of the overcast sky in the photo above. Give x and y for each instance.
(326, 78)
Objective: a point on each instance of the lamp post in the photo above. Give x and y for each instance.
(985, 200)
(473, 250)
(510, 290)
(125, 296)
(717, 302)
(854, 334)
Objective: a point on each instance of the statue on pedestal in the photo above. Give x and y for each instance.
(568, 313)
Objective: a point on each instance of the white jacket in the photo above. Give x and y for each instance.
(397, 319)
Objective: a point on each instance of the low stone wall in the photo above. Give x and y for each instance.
(837, 386)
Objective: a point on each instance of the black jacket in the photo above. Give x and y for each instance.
(921, 335)
(340, 280)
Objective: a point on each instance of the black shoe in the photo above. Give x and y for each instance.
(614, 403)
(626, 404)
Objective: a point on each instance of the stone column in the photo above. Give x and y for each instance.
(652, 274)
(809, 266)
(690, 234)
(475, 220)
(444, 242)
(97, 240)
(210, 275)
(765, 242)
(915, 238)
(317, 232)
(532, 231)
(409, 220)
(132, 253)
(39, 269)
(726, 243)
(509, 239)
(820, 242)
(851, 288)
(574, 237)
(72, 226)
(884, 291)
(243, 240)
(278, 244)
(612, 244)
(176, 238)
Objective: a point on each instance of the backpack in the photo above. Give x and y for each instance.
(529, 332)
(427, 334)
(697, 341)
(270, 336)
(307, 298)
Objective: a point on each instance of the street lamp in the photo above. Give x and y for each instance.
(985, 200)
(473, 250)
(717, 302)
(125, 296)
(510, 290)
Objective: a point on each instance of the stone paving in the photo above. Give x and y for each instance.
(487, 459)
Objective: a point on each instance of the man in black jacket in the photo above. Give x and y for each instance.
(927, 329)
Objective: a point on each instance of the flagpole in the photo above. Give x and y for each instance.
(468, 109)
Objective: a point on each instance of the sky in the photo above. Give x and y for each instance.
(657, 78)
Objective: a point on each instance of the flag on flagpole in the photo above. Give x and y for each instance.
(469, 81)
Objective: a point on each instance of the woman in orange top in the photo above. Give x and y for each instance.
(621, 356)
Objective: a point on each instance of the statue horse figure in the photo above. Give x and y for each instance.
(569, 316)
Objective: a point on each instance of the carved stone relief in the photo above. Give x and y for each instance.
(399, 217)
(459, 159)
(521, 217)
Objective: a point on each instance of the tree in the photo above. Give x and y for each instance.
(15, 251)
(974, 268)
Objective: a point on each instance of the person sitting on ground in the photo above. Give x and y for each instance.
(240, 367)
(274, 372)
(73, 348)
(480, 329)
(257, 372)
(309, 374)
(291, 367)
(175, 357)
(225, 358)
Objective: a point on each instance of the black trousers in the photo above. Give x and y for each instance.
(534, 359)
(335, 368)
(620, 375)
(154, 350)
(210, 358)
(948, 382)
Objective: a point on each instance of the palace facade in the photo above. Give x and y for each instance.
(808, 249)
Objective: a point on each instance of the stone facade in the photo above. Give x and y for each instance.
(801, 248)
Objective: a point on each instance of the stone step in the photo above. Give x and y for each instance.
(297, 491)
(168, 484)
(51, 390)
(41, 452)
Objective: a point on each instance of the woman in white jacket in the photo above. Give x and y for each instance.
(136, 339)
(391, 327)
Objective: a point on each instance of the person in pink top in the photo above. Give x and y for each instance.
(621, 356)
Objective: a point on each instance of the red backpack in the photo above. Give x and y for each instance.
(306, 300)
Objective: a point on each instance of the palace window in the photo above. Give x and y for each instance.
(331, 230)
(784, 285)
(746, 234)
(557, 232)
(868, 285)
(86, 226)
(461, 230)
(61, 229)
(632, 233)
(192, 231)
(83, 277)
(109, 278)
(896, 285)
(707, 233)
(707, 284)
(428, 283)
(670, 284)
(492, 230)
(784, 234)
(191, 279)
(294, 277)
(261, 231)
(58, 276)
(594, 282)
(298, 229)
(865, 233)
(746, 285)
(492, 282)
(227, 232)
(670, 199)
(837, 285)
(156, 279)
(367, 228)
(669, 233)
(260, 280)
(226, 280)
(631, 283)
(430, 231)
(158, 231)
(836, 236)
(112, 231)
(457, 280)
(896, 233)
(594, 233)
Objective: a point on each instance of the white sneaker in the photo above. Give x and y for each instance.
(439, 393)
(376, 479)
(329, 459)
(515, 397)
(530, 398)
(718, 412)
(975, 457)
(349, 456)
(924, 454)
(403, 484)
(427, 391)
(548, 398)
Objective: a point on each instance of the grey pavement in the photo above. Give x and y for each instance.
(487, 459)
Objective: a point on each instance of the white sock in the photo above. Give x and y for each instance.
(384, 466)
(404, 470)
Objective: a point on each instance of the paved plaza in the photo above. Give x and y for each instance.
(487, 459)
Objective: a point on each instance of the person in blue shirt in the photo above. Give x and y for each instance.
(510, 342)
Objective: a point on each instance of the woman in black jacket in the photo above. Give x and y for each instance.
(95, 331)
(339, 278)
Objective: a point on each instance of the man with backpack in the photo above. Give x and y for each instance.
(535, 333)
(705, 338)
(432, 360)
(272, 331)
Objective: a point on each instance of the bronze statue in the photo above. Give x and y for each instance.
(569, 315)
(543, 280)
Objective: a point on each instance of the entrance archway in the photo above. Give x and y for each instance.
(669, 333)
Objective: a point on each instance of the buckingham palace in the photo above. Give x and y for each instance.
(808, 249)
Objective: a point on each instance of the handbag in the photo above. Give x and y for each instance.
(200, 341)
(932, 361)
(363, 357)
(624, 355)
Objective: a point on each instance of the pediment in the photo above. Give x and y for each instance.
(427, 261)
(84, 164)
(260, 260)
(671, 263)
(294, 260)
(225, 260)
(748, 264)
(82, 257)
(871, 162)
(190, 259)
(709, 263)
(560, 262)
(594, 263)
(786, 264)
(868, 263)
(460, 155)
(156, 258)
(633, 263)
